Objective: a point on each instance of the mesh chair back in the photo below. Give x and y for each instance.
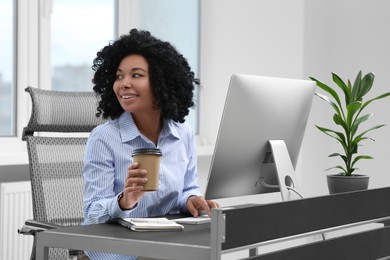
(56, 179)
(59, 111)
(56, 162)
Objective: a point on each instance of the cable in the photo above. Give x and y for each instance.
(264, 184)
(295, 191)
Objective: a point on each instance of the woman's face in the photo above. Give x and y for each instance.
(132, 85)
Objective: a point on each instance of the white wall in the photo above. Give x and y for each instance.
(345, 36)
(249, 37)
(297, 39)
(368, 23)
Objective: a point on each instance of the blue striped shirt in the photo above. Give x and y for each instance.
(107, 157)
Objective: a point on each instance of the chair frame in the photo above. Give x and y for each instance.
(58, 119)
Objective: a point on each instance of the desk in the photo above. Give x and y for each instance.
(260, 224)
(193, 242)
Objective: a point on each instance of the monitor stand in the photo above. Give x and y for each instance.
(284, 169)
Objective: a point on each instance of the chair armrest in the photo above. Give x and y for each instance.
(41, 224)
(32, 226)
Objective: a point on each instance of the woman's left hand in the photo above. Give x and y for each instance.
(198, 204)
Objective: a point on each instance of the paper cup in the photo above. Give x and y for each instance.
(149, 159)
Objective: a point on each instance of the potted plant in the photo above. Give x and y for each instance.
(348, 117)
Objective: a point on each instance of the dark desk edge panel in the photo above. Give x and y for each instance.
(373, 244)
(278, 220)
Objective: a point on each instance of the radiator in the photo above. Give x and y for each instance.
(15, 208)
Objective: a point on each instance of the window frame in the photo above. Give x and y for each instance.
(13, 150)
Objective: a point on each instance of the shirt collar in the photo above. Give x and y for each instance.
(129, 131)
(169, 128)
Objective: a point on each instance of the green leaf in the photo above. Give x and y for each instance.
(328, 100)
(376, 98)
(368, 130)
(361, 157)
(338, 154)
(338, 167)
(344, 88)
(356, 86)
(358, 121)
(352, 108)
(339, 121)
(366, 85)
(359, 139)
(334, 134)
(328, 90)
(353, 148)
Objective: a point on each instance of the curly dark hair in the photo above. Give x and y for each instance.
(171, 78)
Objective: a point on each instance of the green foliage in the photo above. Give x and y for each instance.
(348, 116)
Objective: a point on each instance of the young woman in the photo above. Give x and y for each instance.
(146, 89)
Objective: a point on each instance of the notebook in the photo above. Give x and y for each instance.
(150, 224)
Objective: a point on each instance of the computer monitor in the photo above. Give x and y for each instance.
(260, 136)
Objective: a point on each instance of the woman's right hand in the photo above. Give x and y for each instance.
(133, 188)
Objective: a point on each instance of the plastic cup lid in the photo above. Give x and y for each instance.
(152, 151)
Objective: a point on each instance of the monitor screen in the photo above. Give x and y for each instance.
(257, 109)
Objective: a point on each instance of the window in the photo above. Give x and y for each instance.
(7, 69)
(78, 29)
(51, 44)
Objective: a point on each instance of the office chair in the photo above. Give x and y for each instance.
(63, 120)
